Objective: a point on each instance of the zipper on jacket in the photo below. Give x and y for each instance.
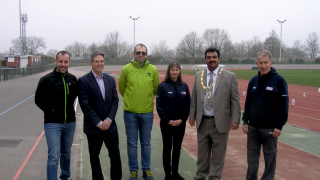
(68, 88)
(140, 92)
(65, 100)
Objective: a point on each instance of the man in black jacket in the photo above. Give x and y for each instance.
(265, 113)
(55, 96)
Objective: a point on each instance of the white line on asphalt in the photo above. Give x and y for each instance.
(305, 116)
(16, 105)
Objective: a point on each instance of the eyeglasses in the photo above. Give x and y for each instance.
(138, 53)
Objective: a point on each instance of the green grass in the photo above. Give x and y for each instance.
(303, 77)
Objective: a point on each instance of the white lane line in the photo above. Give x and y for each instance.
(16, 105)
(307, 108)
(305, 116)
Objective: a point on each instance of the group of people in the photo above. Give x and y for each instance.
(214, 108)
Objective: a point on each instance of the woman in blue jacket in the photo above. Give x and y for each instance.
(173, 106)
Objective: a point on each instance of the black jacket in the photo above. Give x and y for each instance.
(173, 101)
(267, 101)
(55, 96)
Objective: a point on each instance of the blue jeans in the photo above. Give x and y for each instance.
(59, 140)
(134, 123)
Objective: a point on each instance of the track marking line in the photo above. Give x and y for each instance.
(305, 116)
(307, 108)
(16, 105)
(27, 158)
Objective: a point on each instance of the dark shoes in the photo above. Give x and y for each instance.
(147, 175)
(133, 175)
(176, 176)
(168, 177)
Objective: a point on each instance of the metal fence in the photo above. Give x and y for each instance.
(12, 73)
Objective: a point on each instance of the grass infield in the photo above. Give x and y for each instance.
(303, 77)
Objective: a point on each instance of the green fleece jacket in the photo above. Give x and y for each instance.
(138, 86)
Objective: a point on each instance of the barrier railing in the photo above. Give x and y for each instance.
(12, 73)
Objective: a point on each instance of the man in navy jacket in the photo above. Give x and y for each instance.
(98, 99)
(265, 113)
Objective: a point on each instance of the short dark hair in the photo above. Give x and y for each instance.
(141, 45)
(211, 49)
(63, 52)
(171, 65)
(96, 53)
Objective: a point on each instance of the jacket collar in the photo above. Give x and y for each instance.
(59, 73)
(136, 63)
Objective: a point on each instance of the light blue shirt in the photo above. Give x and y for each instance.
(214, 76)
(102, 89)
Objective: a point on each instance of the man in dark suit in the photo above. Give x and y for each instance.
(215, 108)
(99, 103)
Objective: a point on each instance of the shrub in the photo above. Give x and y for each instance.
(299, 61)
(247, 61)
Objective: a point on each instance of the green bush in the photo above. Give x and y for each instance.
(248, 61)
(317, 61)
(299, 61)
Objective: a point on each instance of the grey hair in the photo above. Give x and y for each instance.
(264, 53)
(96, 53)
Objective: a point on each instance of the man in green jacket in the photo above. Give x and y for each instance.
(138, 84)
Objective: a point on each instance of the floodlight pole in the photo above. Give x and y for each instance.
(281, 22)
(134, 29)
(20, 27)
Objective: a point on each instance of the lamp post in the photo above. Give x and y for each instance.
(134, 29)
(20, 27)
(281, 37)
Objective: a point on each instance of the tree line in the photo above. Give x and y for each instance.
(192, 45)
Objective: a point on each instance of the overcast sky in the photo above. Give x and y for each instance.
(62, 22)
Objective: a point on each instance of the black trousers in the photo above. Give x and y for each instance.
(256, 138)
(111, 140)
(172, 139)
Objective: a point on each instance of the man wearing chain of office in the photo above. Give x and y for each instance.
(215, 110)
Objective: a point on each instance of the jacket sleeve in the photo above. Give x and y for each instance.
(283, 104)
(160, 104)
(41, 95)
(235, 101)
(115, 101)
(122, 82)
(88, 112)
(187, 104)
(247, 106)
(155, 82)
(193, 105)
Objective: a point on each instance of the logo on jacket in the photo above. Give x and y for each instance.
(149, 74)
(270, 88)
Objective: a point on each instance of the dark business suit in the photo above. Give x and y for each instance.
(96, 109)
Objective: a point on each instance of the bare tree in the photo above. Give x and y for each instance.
(297, 50)
(312, 45)
(52, 53)
(34, 45)
(114, 47)
(256, 45)
(77, 49)
(228, 49)
(162, 50)
(190, 46)
(215, 38)
(272, 43)
(240, 49)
